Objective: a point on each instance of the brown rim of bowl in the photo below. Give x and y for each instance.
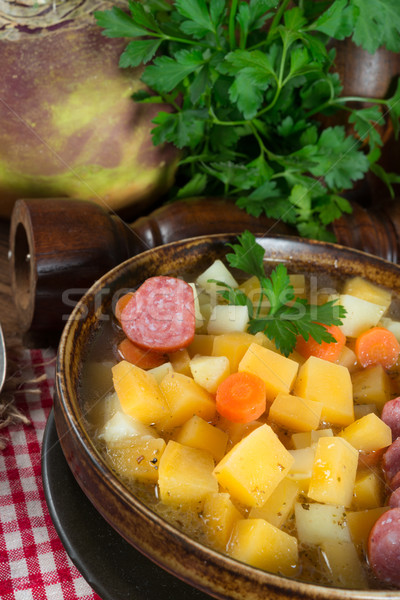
(285, 249)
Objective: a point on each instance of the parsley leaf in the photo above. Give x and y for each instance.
(288, 317)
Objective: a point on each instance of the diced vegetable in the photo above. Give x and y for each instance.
(180, 361)
(260, 544)
(371, 386)
(317, 523)
(122, 426)
(160, 372)
(254, 467)
(197, 433)
(202, 344)
(219, 272)
(295, 413)
(360, 315)
(368, 433)
(185, 475)
(185, 398)
(241, 397)
(277, 371)
(334, 472)
(227, 318)
(322, 381)
(360, 523)
(280, 504)
(137, 458)
(209, 371)
(232, 345)
(219, 516)
(344, 565)
(377, 346)
(303, 463)
(139, 393)
(368, 491)
(361, 288)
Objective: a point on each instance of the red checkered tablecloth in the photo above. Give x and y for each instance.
(33, 562)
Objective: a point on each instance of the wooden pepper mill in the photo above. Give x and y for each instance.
(59, 247)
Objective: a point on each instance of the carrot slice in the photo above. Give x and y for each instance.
(377, 346)
(121, 303)
(326, 350)
(241, 397)
(145, 359)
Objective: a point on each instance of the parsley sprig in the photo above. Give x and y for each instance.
(245, 83)
(288, 316)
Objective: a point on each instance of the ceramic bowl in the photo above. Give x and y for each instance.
(208, 570)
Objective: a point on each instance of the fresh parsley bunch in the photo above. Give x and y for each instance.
(245, 82)
(288, 316)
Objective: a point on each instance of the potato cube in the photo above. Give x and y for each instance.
(202, 344)
(280, 504)
(180, 361)
(317, 523)
(391, 325)
(185, 398)
(295, 413)
(348, 359)
(303, 463)
(360, 315)
(259, 544)
(360, 410)
(251, 287)
(344, 565)
(199, 318)
(360, 523)
(277, 371)
(197, 433)
(122, 426)
(185, 475)
(307, 438)
(368, 433)
(209, 371)
(227, 318)
(253, 468)
(160, 372)
(139, 393)
(219, 516)
(334, 472)
(233, 346)
(357, 286)
(323, 381)
(371, 386)
(137, 458)
(219, 272)
(368, 491)
(236, 431)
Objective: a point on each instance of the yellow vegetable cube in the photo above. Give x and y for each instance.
(197, 433)
(368, 433)
(202, 344)
(371, 386)
(160, 372)
(344, 565)
(219, 272)
(357, 286)
(334, 472)
(348, 359)
(139, 393)
(360, 523)
(236, 431)
(185, 398)
(185, 475)
(219, 516)
(317, 523)
(259, 544)
(368, 491)
(303, 463)
(228, 318)
(233, 346)
(254, 467)
(360, 315)
(307, 438)
(137, 458)
(295, 413)
(209, 371)
(180, 361)
(251, 287)
(280, 504)
(277, 371)
(323, 381)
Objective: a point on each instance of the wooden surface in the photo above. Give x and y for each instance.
(8, 315)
